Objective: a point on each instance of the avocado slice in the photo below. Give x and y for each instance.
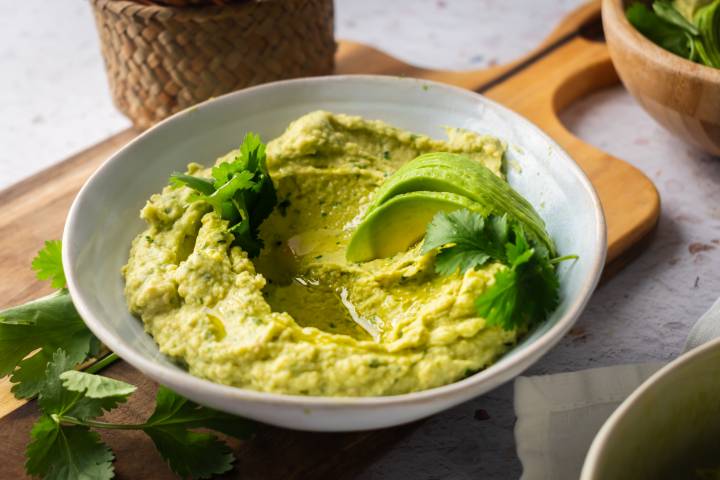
(400, 222)
(440, 178)
(447, 172)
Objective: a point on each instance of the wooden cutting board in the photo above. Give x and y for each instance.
(571, 63)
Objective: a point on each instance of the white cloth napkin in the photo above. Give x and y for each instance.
(706, 328)
(559, 415)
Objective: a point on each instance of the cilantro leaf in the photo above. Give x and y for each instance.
(189, 453)
(224, 172)
(497, 304)
(41, 326)
(526, 292)
(95, 386)
(48, 264)
(253, 150)
(173, 409)
(466, 240)
(518, 252)
(63, 446)
(251, 158)
(29, 377)
(67, 452)
(223, 195)
(98, 393)
(202, 185)
(240, 191)
(59, 393)
(61, 451)
(53, 398)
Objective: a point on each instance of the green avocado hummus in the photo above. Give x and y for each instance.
(300, 318)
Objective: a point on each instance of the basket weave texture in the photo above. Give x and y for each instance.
(162, 59)
(187, 3)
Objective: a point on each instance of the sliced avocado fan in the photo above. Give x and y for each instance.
(469, 184)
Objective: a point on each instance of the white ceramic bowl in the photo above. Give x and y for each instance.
(668, 418)
(104, 219)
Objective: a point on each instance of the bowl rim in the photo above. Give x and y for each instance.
(531, 352)
(600, 443)
(613, 13)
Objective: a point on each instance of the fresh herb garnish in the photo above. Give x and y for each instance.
(522, 294)
(42, 326)
(48, 264)
(694, 35)
(473, 240)
(527, 292)
(240, 191)
(41, 345)
(65, 445)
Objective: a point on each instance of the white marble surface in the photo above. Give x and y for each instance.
(54, 101)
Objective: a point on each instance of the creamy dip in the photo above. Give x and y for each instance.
(299, 318)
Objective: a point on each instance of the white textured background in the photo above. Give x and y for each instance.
(54, 101)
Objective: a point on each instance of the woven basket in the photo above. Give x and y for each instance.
(162, 59)
(187, 3)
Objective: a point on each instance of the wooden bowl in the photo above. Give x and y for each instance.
(681, 95)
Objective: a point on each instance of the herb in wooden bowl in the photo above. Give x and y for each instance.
(688, 28)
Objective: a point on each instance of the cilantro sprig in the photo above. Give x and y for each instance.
(43, 342)
(240, 191)
(65, 444)
(523, 293)
(30, 333)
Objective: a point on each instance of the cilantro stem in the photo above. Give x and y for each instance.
(98, 424)
(60, 418)
(557, 260)
(102, 363)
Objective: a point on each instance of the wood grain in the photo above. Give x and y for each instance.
(564, 68)
(681, 95)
